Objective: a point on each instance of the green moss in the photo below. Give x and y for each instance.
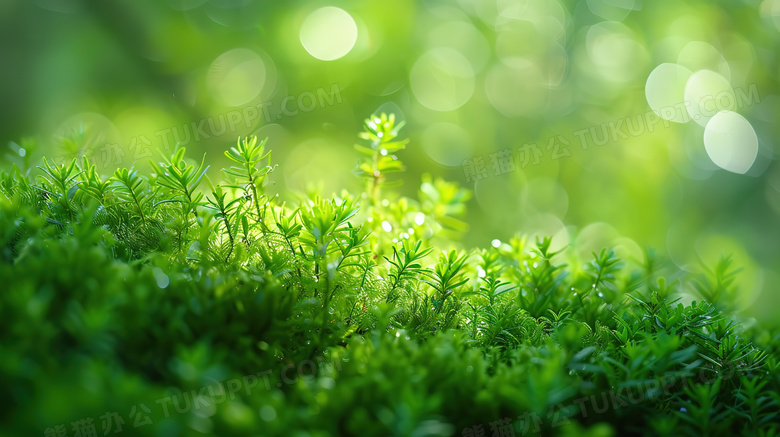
(146, 304)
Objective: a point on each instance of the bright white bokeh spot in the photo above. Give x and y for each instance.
(419, 219)
(386, 226)
(447, 144)
(495, 243)
(706, 93)
(698, 55)
(731, 142)
(329, 33)
(665, 90)
(236, 77)
(160, 277)
(442, 79)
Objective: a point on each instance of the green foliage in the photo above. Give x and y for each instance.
(379, 160)
(250, 177)
(717, 285)
(182, 180)
(125, 290)
(406, 266)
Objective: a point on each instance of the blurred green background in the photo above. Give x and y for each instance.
(603, 122)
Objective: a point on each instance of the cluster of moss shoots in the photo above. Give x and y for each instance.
(160, 279)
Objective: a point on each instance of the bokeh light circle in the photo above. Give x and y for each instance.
(329, 33)
(731, 142)
(698, 55)
(706, 93)
(615, 51)
(236, 77)
(442, 79)
(665, 90)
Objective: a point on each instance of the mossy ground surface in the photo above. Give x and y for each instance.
(171, 305)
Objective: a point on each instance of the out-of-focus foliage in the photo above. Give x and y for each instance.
(139, 304)
(593, 121)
